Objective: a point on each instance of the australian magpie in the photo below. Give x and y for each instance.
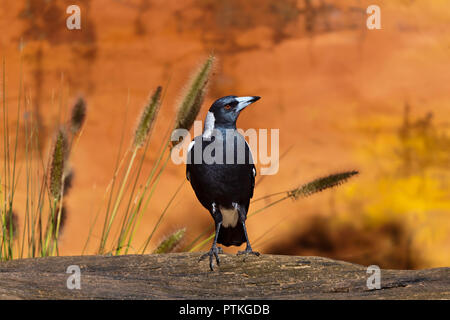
(221, 171)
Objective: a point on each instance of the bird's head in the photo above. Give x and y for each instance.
(225, 111)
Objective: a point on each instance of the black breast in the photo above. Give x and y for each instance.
(221, 178)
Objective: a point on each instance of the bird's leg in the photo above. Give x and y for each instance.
(243, 217)
(215, 250)
(248, 248)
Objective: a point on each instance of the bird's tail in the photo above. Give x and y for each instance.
(231, 236)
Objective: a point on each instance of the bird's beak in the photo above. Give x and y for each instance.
(245, 101)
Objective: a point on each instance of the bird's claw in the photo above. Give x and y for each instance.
(215, 251)
(248, 251)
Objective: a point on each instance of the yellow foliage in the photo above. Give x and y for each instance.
(404, 178)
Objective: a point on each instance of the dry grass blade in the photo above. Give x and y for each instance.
(59, 220)
(321, 184)
(11, 224)
(58, 159)
(170, 242)
(147, 119)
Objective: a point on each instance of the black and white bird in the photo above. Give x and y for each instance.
(223, 180)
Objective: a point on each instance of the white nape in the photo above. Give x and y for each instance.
(209, 125)
(191, 145)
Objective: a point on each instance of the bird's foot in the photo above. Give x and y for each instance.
(248, 251)
(214, 252)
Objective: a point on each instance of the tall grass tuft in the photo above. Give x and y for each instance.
(186, 114)
(141, 136)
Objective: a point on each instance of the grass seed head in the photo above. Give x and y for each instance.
(58, 160)
(321, 184)
(169, 243)
(191, 104)
(147, 119)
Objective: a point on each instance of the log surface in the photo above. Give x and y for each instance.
(181, 276)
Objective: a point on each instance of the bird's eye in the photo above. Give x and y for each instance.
(227, 107)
